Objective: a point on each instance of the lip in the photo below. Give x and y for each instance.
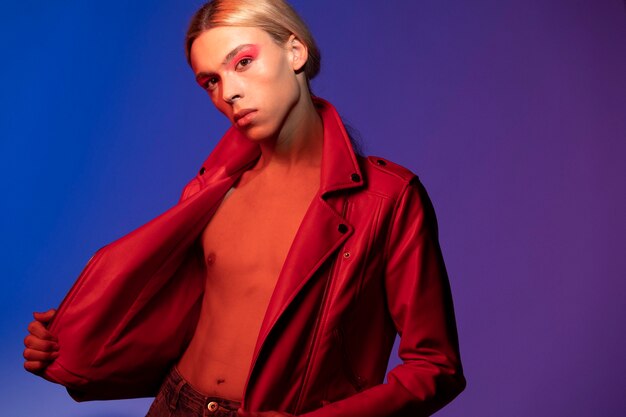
(243, 117)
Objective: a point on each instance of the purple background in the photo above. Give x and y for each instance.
(513, 113)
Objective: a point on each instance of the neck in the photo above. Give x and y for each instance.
(298, 144)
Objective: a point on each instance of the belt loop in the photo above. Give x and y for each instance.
(174, 400)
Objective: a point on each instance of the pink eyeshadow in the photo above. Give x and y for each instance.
(251, 51)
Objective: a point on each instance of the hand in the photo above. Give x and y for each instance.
(243, 413)
(41, 347)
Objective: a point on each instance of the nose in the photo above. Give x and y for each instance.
(231, 100)
(231, 91)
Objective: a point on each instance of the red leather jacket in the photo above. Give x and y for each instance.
(365, 264)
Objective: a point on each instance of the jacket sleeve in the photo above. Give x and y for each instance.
(420, 304)
(192, 187)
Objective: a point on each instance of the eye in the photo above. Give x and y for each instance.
(210, 83)
(244, 62)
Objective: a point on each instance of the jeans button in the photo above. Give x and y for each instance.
(212, 406)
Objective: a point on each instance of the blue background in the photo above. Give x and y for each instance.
(513, 113)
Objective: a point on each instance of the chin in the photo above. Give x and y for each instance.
(258, 133)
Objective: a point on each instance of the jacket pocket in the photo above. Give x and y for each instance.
(358, 382)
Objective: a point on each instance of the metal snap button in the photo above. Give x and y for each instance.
(212, 406)
(355, 177)
(202, 171)
(342, 228)
(381, 162)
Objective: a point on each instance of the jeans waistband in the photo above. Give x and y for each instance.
(180, 393)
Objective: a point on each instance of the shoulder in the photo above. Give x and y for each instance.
(385, 177)
(408, 196)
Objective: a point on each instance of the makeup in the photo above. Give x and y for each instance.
(231, 61)
(250, 51)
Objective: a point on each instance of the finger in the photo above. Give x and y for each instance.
(38, 330)
(36, 367)
(37, 355)
(36, 343)
(44, 317)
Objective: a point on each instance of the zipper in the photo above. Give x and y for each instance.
(318, 324)
(324, 307)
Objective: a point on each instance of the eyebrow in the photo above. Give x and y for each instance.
(227, 60)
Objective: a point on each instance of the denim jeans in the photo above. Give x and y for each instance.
(177, 398)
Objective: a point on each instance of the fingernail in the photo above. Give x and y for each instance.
(55, 355)
(55, 346)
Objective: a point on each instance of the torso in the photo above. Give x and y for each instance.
(245, 245)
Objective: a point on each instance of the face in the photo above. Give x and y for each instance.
(251, 79)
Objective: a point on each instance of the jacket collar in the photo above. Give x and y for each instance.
(234, 154)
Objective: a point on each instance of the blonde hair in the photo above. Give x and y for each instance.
(276, 17)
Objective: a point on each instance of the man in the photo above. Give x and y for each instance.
(278, 283)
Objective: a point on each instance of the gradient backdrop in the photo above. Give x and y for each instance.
(512, 112)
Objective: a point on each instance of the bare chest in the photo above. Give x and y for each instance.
(245, 246)
(247, 240)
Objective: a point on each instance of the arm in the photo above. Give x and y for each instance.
(41, 347)
(420, 304)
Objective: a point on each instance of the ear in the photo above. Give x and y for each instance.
(298, 52)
